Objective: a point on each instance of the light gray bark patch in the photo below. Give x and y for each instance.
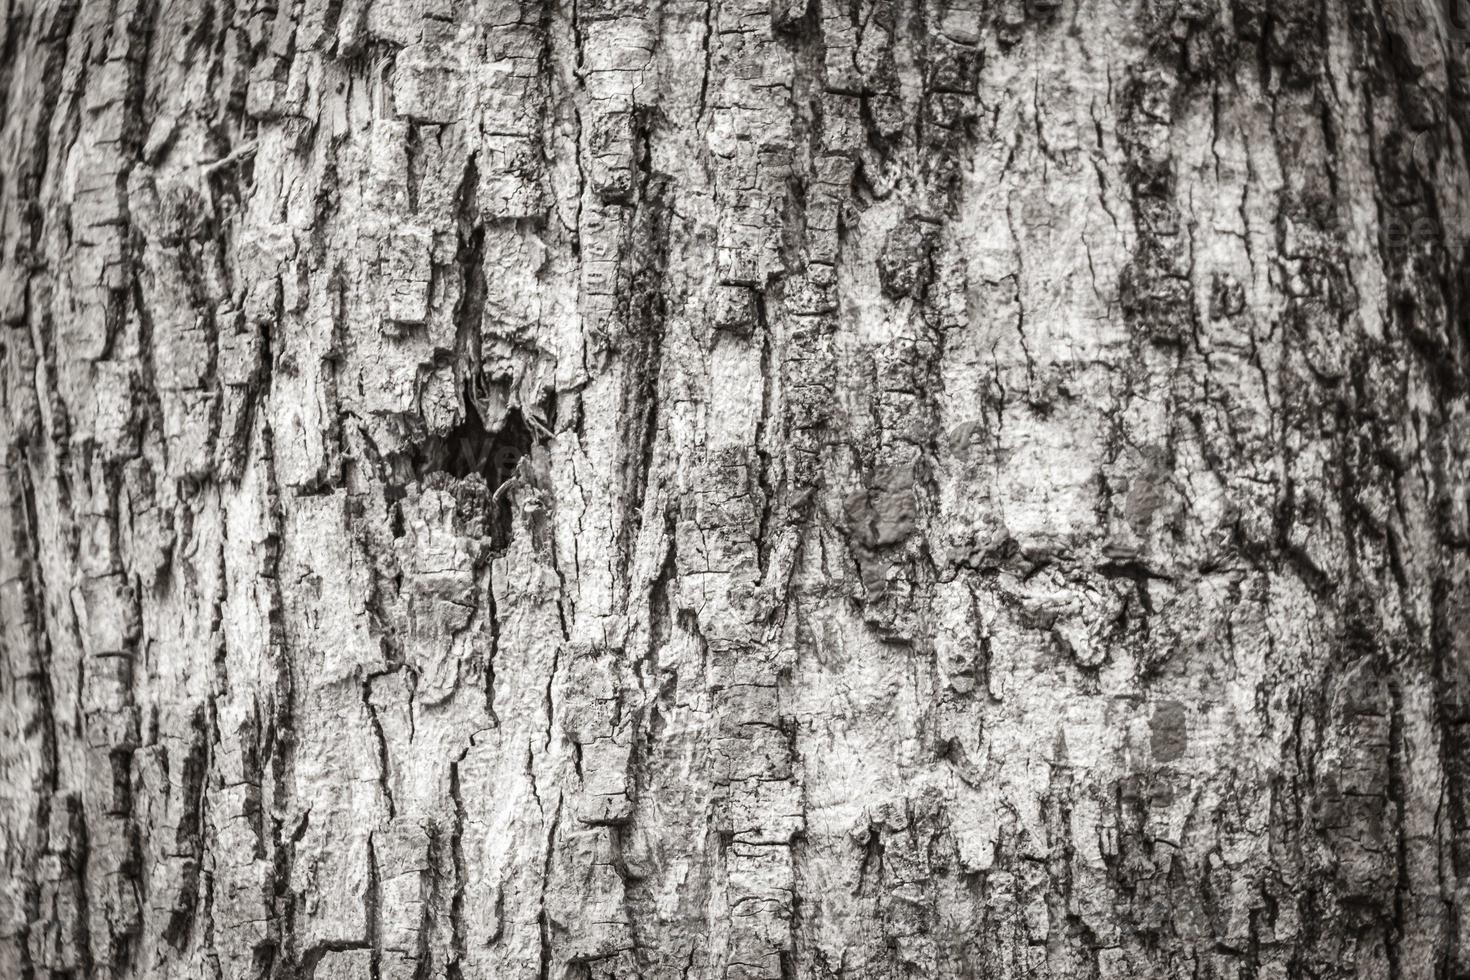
(1006, 514)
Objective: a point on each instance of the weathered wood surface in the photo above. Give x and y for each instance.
(807, 488)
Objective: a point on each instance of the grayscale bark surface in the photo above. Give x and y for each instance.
(571, 489)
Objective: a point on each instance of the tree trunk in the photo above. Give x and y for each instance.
(713, 488)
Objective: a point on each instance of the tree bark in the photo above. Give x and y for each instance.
(712, 488)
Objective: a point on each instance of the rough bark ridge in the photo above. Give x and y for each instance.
(746, 488)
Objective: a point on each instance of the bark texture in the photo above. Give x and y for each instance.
(734, 489)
